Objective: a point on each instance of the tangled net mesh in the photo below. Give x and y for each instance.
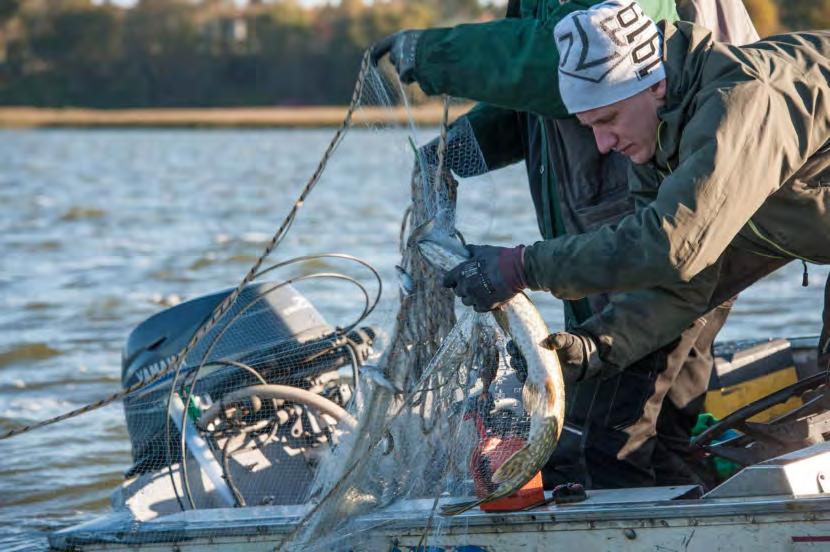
(337, 430)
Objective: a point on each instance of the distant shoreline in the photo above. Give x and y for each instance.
(233, 117)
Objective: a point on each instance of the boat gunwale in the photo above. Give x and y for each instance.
(129, 531)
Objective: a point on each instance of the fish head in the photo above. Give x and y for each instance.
(442, 250)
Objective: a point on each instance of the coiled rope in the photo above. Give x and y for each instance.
(225, 305)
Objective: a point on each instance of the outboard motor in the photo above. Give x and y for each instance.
(272, 334)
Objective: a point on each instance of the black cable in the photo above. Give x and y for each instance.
(183, 443)
(239, 500)
(368, 307)
(241, 366)
(262, 380)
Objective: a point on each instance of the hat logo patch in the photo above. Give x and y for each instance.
(622, 29)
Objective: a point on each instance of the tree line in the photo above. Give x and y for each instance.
(213, 53)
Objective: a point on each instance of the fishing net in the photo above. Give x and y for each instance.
(429, 407)
(339, 427)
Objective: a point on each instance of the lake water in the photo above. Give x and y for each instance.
(101, 228)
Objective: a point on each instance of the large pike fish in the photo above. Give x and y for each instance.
(543, 394)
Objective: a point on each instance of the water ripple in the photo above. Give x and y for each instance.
(102, 228)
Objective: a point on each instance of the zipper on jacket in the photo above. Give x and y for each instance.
(761, 236)
(579, 310)
(660, 148)
(549, 199)
(805, 277)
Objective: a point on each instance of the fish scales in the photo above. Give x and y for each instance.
(544, 392)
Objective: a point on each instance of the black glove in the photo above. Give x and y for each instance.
(401, 49)
(578, 355)
(492, 276)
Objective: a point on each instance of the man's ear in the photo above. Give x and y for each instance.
(658, 90)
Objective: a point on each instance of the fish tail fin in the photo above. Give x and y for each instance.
(529, 459)
(460, 507)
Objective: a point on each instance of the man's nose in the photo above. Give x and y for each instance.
(605, 140)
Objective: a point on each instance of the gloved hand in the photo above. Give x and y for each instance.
(578, 354)
(401, 49)
(492, 276)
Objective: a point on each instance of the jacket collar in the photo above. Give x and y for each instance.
(529, 9)
(684, 49)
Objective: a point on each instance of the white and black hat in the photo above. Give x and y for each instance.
(607, 53)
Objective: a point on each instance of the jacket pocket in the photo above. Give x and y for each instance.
(616, 402)
(627, 404)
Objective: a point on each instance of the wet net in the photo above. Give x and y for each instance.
(312, 435)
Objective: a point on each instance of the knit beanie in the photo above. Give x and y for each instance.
(607, 53)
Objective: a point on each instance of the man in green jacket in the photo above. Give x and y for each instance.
(731, 170)
(574, 189)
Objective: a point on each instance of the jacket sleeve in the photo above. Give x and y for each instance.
(698, 209)
(637, 323)
(511, 63)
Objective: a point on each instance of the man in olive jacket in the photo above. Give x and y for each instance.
(731, 171)
(575, 189)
